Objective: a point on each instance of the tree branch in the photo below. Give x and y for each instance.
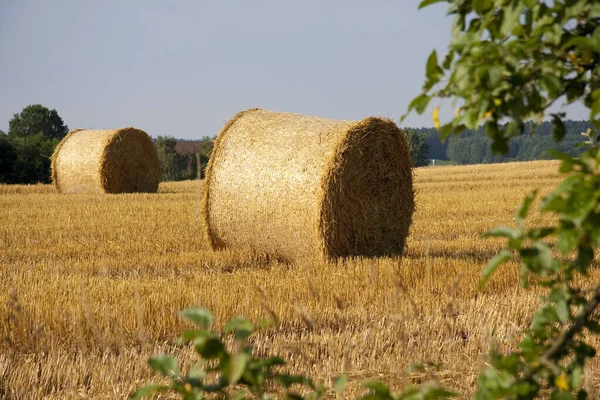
(553, 353)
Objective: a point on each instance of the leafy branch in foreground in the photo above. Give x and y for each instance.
(510, 61)
(223, 374)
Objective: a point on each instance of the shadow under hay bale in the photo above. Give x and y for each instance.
(106, 161)
(301, 187)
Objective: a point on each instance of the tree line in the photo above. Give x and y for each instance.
(474, 146)
(26, 151)
(33, 134)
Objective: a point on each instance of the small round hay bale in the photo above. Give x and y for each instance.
(296, 187)
(106, 161)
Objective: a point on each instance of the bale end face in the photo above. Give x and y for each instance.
(368, 196)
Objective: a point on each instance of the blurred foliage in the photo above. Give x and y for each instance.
(510, 62)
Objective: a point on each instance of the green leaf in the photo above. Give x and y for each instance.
(577, 376)
(448, 59)
(426, 3)
(562, 311)
(525, 206)
(209, 349)
(197, 371)
(502, 231)
(419, 103)
(238, 366)
(540, 233)
(378, 388)
(561, 396)
(551, 84)
(494, 263)
(482, 6)
(196, 333)
(199, 316)
(148, 389)
(238, 323)
(164, 364)
(339, 384)
(511, 15)
(432, 66)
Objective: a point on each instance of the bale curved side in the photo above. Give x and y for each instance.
(53, 160)
(106, 161)
(213, 242)
(290, 185)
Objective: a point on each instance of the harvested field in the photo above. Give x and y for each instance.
(91, 284)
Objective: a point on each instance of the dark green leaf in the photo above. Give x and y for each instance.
(378, 388)
(147, 390)
(164, 364)
(432, 66)
(525, 206)
(210, 349)
(426, 3)
(199, 316)
(419, 103)
(502, 231)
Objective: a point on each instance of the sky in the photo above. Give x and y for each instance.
(184, 67)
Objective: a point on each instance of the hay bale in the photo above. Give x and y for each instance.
(106, 161)
(295, 186)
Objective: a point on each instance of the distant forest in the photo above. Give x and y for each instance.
(473, 147)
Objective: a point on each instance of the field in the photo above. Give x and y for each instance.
(90, 287)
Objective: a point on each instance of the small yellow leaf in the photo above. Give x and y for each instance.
(487, 115)
(561, 382)
(573, 59)
(457, 112)
(586, 55)
(436, 117)
(497, 102)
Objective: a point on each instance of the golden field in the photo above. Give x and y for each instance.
(90, 287)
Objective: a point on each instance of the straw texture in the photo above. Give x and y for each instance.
(106, 161)
(295, 186)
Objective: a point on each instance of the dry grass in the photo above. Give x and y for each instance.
(98, 281)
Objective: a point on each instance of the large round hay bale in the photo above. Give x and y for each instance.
(106, 161)
(294, 186)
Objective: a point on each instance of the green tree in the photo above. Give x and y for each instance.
(204, 151)
(418, 148)
(165, 146)
(35, 119)
(33, 155)
(33, 135)
(8, 157)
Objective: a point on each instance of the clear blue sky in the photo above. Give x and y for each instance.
(183, 68)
